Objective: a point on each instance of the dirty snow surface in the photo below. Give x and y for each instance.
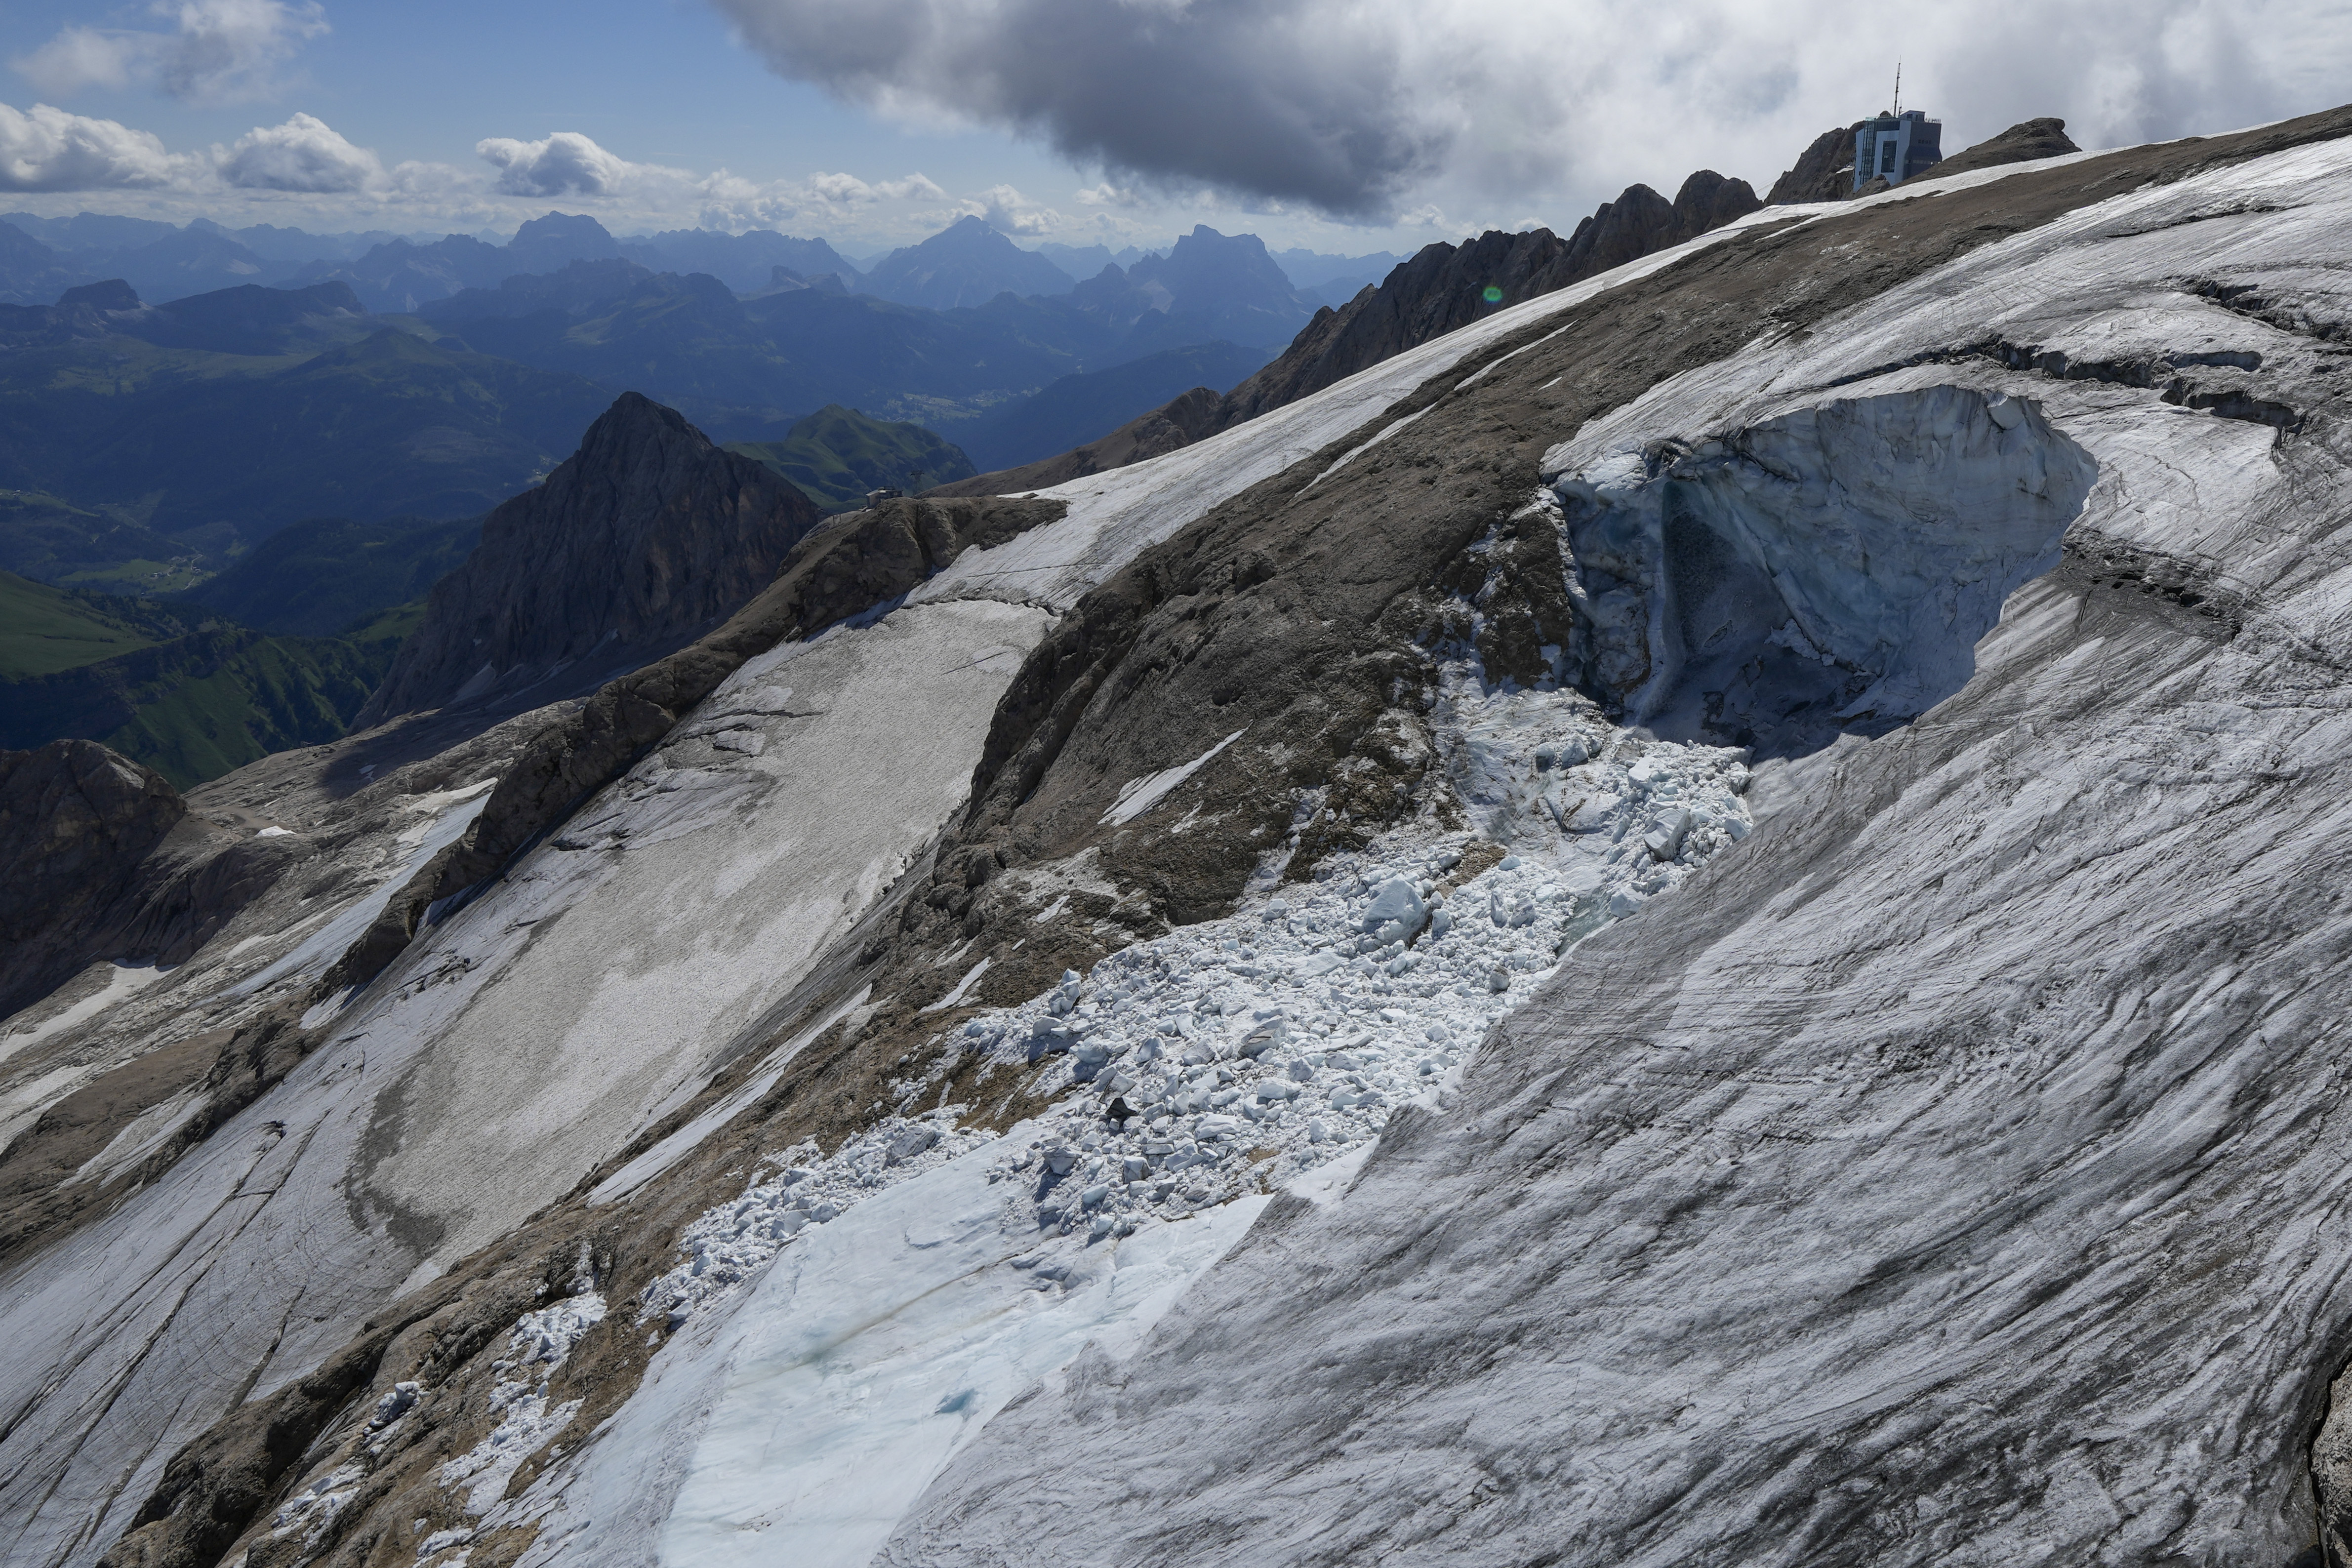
(1952, 1174)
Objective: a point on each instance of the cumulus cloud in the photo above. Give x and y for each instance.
(46, 149)
(1363, 108)
(1007, 211)
(565, 164)
(219, 51)
(304, 154)
(731, 202)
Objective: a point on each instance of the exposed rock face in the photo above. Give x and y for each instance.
(2020, 143)
(1442, 288)
(76, 821)
(101, 859)
(1824, 170)
(1172, 425)
(646, 538)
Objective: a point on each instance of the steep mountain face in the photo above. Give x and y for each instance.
(644, 537)
(75, 823)
(1696, 923)
(555, 240)
(967, 263)
(1444, 286)
(1226, 283)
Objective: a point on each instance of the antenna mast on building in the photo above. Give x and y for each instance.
(1898, 87)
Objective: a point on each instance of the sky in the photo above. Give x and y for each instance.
(1346, 126)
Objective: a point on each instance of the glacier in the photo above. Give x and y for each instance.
(1894, 1132)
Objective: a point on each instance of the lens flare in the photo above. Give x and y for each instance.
(1494, 294)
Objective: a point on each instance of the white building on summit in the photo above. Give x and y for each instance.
(1896, 145)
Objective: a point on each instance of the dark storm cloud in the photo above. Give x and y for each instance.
(1289, 100)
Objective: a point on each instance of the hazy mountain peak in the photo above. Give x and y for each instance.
(967, 263)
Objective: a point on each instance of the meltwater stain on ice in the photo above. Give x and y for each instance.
(1830, 568)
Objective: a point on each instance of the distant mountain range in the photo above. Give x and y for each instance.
(222, 509)
(967, 263)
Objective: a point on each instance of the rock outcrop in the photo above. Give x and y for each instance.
(76, 822)
(2020, 143)
(1824, 170)
(642, 540)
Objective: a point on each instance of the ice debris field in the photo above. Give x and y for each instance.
(1185, 1078)
(1246, 1051)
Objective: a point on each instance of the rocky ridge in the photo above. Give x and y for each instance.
(1440, 289)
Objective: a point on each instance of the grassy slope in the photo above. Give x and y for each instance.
(836, 455)
(265, 694)
(49, 540)
(44, 630)
(192, 698)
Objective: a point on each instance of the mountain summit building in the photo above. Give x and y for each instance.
(1895, 146)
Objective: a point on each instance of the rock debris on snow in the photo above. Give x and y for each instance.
(1253, 1048)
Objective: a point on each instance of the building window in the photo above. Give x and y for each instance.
(1886, 156)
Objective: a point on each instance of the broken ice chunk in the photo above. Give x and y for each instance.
(915, 1140)
(1396, 911)
(1263, 1038)
(1665, 840)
